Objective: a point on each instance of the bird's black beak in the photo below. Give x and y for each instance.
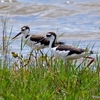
(16, 35)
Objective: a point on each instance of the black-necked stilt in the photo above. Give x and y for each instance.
(66, 52)
(36, 42)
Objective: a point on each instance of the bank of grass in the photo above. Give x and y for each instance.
(54, 82)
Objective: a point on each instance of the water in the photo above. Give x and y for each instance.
(79, 20)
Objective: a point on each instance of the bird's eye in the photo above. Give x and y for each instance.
(23, 29)
(48, 35)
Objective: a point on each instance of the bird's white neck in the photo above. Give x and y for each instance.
(52, 43)
(25, 34)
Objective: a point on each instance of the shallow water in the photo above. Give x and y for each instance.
(78, 20)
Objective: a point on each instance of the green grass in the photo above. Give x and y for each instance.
(56, 82)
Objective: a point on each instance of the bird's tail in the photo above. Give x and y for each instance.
(91, 52)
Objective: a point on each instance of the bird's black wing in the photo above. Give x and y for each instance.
(71, 49)
(39, 39)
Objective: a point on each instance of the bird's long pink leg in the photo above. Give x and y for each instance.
(92, 59)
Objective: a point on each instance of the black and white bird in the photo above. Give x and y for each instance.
(34, 40)
(66, 52)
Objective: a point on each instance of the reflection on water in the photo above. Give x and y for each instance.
(77, 19)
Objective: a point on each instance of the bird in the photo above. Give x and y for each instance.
(67, 52)
(33, 40)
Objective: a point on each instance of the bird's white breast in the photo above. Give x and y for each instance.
(58, 53)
